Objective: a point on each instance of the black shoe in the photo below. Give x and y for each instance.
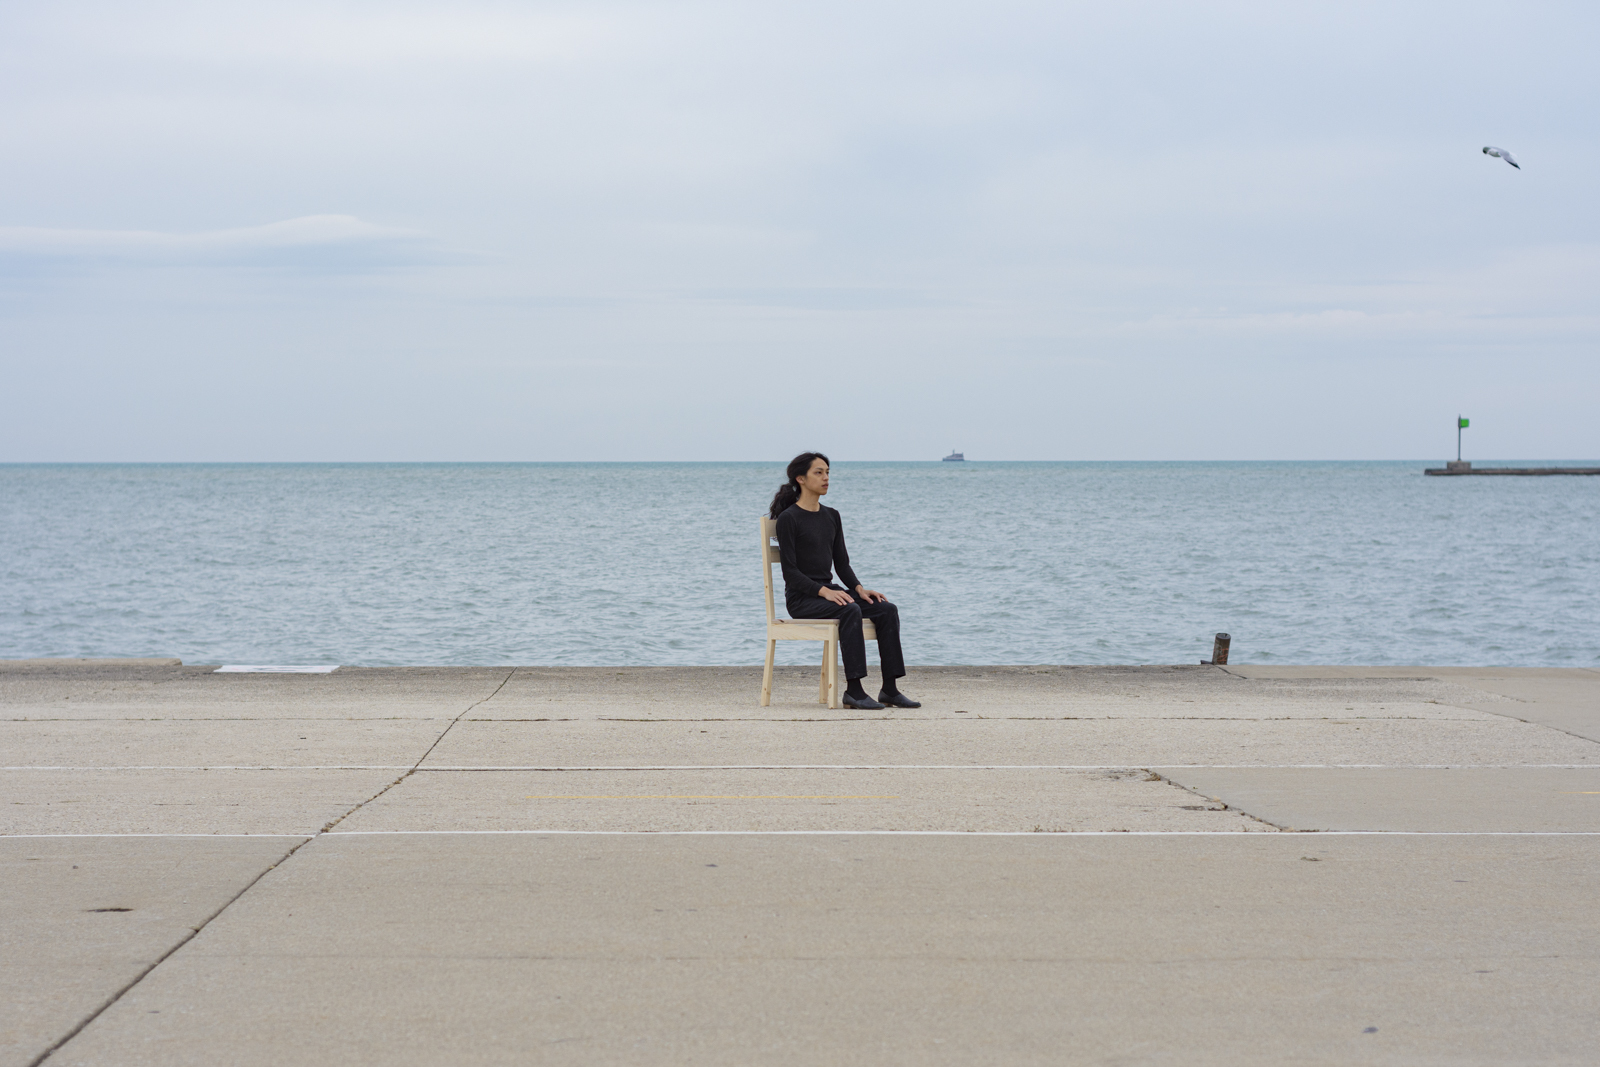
(897, 700)
(861, 703)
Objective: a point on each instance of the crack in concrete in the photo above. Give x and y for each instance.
(422, 758)
(195, 930)
(1215, 800)
(1530, 722)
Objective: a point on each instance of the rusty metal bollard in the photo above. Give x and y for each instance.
(1219, 649)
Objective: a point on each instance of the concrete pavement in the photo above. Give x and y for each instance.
(1041, 865)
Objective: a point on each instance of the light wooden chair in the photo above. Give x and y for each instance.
(824, 630)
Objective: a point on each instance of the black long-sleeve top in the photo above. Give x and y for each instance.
(811, 548)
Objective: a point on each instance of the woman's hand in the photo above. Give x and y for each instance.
(871, 596)
(834, 596)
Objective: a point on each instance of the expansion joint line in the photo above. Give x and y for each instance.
(194, 931)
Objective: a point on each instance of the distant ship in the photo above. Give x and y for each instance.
(956, 457)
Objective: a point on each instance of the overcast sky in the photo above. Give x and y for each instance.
(694, 231)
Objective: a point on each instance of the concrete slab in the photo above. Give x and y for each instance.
(1502, 800)
(47, 687)
(1569, 702)
(177, 692)
(649, 685)
(1313, 671)
(1241, 706)
(695, 692)
(209, 743)
(1489, 739)
(713, 692)
(81, 662)
(1230, 950)
(808, 800)
(63, 954)
(235, 711)
(943, 948)
(241, 711)
(181, 802)
(1563, 698)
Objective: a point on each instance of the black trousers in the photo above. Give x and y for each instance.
(852, 646)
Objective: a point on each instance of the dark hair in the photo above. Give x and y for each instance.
(788, 492)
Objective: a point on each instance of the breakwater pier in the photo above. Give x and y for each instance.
(1456, 467)
(1046, 864)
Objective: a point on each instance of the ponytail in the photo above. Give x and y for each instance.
(788, 492)
(783, 499)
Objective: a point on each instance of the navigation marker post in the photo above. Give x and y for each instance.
(1457, 466)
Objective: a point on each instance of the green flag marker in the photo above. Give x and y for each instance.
(1463, 423)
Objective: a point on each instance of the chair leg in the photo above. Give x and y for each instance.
(766, 675)
(833, 676)
(822, 679)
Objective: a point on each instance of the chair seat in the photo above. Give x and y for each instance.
(796, 629)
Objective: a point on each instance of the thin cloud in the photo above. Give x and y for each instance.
(306, 232)
(1053, 230)
(346, 36)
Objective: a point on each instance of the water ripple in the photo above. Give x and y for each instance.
(654, 564)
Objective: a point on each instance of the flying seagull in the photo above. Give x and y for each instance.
(1501, 153)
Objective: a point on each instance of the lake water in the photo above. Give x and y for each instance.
(655, 563)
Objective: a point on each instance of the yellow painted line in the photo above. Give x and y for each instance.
(710, 796)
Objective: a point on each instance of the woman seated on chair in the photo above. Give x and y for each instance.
(811, 548)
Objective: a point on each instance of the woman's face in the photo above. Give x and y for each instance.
(815, 479)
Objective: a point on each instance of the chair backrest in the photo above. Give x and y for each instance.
(769, 556)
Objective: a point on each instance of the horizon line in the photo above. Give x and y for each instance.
(706, 462)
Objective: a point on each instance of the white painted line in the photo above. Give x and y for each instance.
(1027, 767)
(245, 669)
(1275, 834)
(13, 837)
(1278, 834)
(845, 767)
(227, 767)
